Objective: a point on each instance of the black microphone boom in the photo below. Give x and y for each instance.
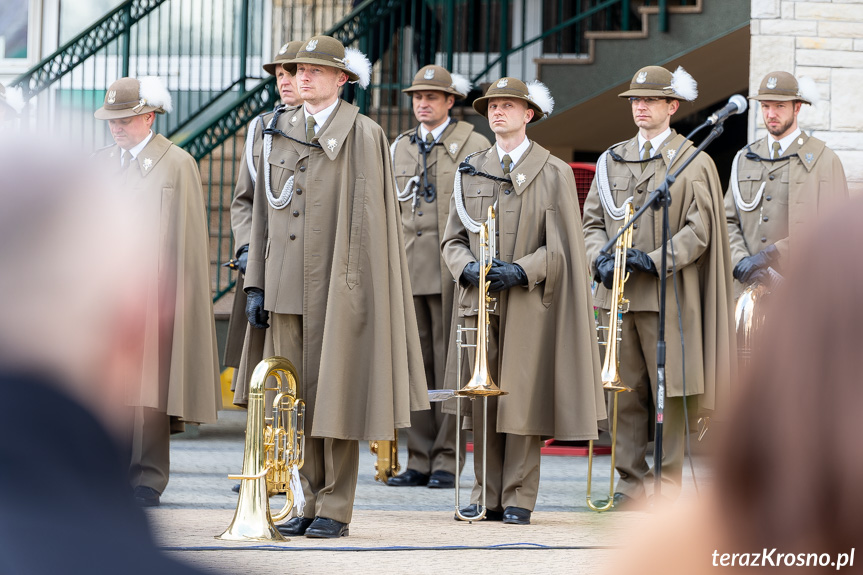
(736, 105)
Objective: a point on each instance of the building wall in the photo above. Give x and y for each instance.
(822, 39)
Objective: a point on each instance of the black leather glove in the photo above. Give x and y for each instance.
(503, 276)
(746, 269)
(638, 261)
(243, 258)
(470, 275)
(255, 311)
(604, 265)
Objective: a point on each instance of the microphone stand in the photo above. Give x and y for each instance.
(660, 199)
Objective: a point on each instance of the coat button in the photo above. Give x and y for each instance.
(302, 168)
(640, 191)
(419, 213)
(768, 198)
(635, 226)
(299, 192)
(293, 236)
(507, 191)
(763, 240)
(419, 232)
(766, 218)
(772, 177)
(281, 161)
(296, 213)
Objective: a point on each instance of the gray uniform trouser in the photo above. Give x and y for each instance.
(512, 461)
(638, 370)
(431, 436)
(329, 473)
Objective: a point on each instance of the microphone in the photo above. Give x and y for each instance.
(736, 105)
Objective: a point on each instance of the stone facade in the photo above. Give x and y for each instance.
(821, 39)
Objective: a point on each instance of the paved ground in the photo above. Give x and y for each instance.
(394, 530)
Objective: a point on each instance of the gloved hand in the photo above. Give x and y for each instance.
(604, 265)
(470, 275)
(255, 311)
(503, 276)
(243, 258)
(746, 269)
(638, 261)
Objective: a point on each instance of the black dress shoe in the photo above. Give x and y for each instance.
(236, 488)
(295, 526)
(409, 478)
(441, 480)
(622, 502)
(146, 496)
(472, 510)
(516, 516)
(323, 528)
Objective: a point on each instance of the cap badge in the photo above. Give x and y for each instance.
(502, 83)
(429, 74)
(453, 148)
(311, 45)
(809, 157)
(147, 164)
(332, 143)
(283, 49)
(641, 78)
(671, 154)
(771, 82)
(112, 97)
(520, 179)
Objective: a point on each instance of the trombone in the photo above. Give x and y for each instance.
(480, 384)
(610, 367)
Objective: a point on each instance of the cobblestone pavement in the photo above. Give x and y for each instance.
(394, 530)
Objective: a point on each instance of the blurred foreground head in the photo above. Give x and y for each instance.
(790, 474)
(70, 294)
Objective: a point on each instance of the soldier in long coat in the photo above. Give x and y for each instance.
(179, 369)
(327, 267)
(697, 265)
(779, 183)
(542, 349)
(425, 160)
(247, 345)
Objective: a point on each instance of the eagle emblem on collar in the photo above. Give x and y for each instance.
(453, 148)
(809, 157)
(294, 119)
(520, 179)
(147, 164)
(641, 78)
(311, 45)
(112, 97)
(331, 144)
(502, 83)
(771, 82)
(429, 74)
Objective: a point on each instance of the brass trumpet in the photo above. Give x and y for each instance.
(749, 313)
(387, 452)
(610, 367)
(273, 454)
(480, 384)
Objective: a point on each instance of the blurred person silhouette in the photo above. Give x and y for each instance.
(788, 472)
(73, 313)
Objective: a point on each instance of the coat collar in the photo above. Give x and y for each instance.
(454, 138)
(333, 134)
(152, 153)
(528, 168)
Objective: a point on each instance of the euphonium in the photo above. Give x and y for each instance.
(273, 454)
(387, 452)
(610, 367)
(480, 384)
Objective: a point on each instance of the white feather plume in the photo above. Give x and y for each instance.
(356, 62)
(539, 94)
(808, 90)
(15, 98)
(154, 93)
(461, 84)
(684, 85)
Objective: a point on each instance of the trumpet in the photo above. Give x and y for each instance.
(480, 384)
(387, 452)
(610, 367)
(273, 454)
(749, 316)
